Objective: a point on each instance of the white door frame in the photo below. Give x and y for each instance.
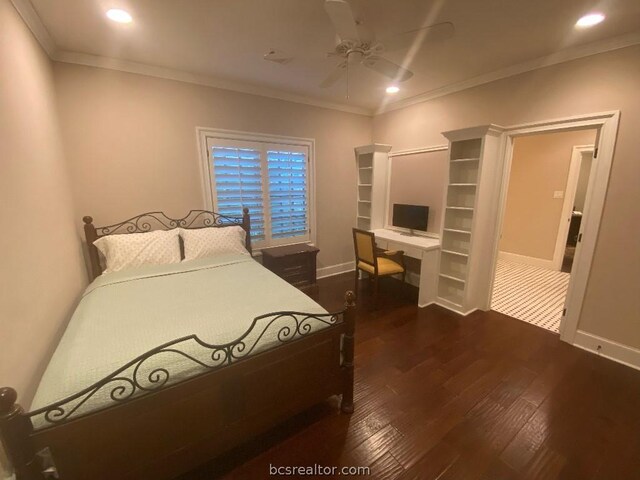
(567, 207)
(607, 123)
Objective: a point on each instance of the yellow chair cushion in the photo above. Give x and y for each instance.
(385, 267)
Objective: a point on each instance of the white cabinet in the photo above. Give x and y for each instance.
(372, 163)
(469, 218)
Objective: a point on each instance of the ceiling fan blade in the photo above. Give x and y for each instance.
(341, 16)
(388, 68)
(430, 33)
(335, 75)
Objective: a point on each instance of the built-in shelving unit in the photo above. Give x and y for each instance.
(372, 165)
(465, 207)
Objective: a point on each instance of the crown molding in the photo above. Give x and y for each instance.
(208, 81)
(473, 132)
(372, 148)
(32, 19)
(555, 58)
(35, 24)
(415, 151)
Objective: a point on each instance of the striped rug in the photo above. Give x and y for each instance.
(530, 294)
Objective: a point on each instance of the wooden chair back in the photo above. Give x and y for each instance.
(364, 244)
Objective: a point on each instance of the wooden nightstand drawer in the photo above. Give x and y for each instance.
(294, 263)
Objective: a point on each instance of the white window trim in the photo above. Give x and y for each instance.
(204, 134)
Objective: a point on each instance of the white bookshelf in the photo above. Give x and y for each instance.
(467, 210)
(372, 168)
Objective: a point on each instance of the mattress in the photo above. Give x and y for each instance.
(125, 314)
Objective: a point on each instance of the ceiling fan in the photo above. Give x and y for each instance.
(353, 50)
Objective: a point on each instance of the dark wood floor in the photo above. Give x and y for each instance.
(440, 396)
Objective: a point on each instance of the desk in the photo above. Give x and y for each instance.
(424, 249)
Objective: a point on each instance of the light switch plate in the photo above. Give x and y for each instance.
(558, 194)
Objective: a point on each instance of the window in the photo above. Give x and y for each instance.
(270, 176)
(237, 173)
(288, 193)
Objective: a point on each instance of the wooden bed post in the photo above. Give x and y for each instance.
(91, 236)
(246, 224)
(15, 430)
(348, 351)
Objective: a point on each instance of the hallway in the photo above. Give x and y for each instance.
(531, 294)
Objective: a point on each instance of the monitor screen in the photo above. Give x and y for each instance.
(413, 217)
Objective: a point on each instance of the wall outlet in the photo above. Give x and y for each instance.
(558, 194)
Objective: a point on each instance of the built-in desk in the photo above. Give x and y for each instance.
(422, 248)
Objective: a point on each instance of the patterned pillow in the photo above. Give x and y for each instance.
(206, 242)
(136, 249)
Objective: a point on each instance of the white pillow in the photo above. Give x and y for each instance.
(206, 242)
(136, 249)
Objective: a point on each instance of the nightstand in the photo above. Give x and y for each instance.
(294, 263)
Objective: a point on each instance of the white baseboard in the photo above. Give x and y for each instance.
(533, 261)
(335, 269)
(424, 305)
(617, 352)
(452, 307)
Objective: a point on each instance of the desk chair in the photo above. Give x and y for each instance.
(376, 262)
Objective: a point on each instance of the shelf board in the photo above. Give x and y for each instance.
(362, 216)
(364, 201)
(463, 184)
(458, 160)
(455, 230)
(365, 185)
(453, 252)
(468, 209)
(365, 168)
(451, 277)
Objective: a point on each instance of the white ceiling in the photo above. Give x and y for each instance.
(226, 39)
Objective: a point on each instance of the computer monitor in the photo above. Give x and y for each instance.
(413, 217)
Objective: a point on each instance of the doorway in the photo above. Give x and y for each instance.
(577, 185)
(606, 124)
(536, 239)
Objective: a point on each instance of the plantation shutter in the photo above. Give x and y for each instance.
(288, 193)
(238, 183)
(270, 179)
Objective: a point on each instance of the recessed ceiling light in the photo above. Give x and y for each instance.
(590, 20)
(392, 89)
(119, 16)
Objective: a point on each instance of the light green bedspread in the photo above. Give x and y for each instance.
(125, 314)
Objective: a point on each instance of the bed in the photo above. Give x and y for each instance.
(163, 367)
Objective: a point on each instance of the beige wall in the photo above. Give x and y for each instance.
(42, 271)
(539, 167)
(420, 179)
(608, 81)
(131, 146)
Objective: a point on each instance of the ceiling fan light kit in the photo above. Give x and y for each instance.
(353, 51)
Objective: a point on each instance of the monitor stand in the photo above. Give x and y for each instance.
(410, 234)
